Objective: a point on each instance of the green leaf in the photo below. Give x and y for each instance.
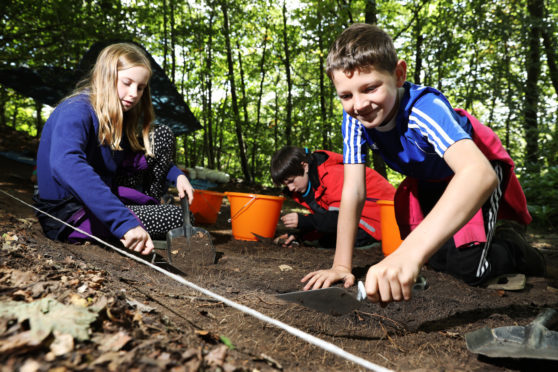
(226, 341)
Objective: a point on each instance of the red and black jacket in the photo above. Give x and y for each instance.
(324, 198)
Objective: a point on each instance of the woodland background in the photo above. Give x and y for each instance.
(253, 71)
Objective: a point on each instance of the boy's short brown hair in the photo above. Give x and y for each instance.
(360, 47)
(287, 162)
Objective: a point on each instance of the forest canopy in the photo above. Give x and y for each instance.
(252, 72)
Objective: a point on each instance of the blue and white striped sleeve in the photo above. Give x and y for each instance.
(436, 121)
(353, 140)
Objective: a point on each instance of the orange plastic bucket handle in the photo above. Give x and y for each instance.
(210, 205)
(243, 207)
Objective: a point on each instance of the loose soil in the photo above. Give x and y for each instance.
(148, 321)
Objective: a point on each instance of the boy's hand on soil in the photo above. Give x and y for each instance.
(184, 188)
(290, 220)
(391, 279)
(325, 278)
(285, 240)
(138, 240)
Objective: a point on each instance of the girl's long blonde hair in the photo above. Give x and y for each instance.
(101, 86)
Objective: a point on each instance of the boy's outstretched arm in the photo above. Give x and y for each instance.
(352, 202)
(474, 180)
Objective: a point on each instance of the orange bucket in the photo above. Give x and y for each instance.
(206, 206)
(254, 213)
(391, 238)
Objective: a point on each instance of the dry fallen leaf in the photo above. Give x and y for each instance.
(22, 295)
(285, 268)
(63, 343)
(77, 300)
(10, 237)
(216, 357)
(22, 342)
(30, 365)
(113, 342)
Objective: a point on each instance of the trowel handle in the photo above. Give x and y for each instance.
(186, 216)
(548, 318)
(361, 294)
(420, 284)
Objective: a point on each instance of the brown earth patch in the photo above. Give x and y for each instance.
(148, 321)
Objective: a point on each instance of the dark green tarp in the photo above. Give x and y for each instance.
(49, 84)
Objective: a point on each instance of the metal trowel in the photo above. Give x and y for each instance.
(534, 341)
(187, 246)
(336, 301)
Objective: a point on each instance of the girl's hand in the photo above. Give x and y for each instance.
(184, 188)
(325, 278)
(138, 240)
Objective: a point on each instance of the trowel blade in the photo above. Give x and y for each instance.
(188, 252)
(334, 301)
(513, 342)
(338, 301)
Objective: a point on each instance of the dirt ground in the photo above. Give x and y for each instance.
(145, 320)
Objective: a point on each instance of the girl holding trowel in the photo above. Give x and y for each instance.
(101, 164)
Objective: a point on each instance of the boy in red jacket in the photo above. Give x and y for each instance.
(315, 180)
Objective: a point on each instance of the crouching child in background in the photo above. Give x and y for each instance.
(315, 181)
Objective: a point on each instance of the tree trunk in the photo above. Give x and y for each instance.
(347, 7)
(287, 63)
(276, 122)
(244, 100)
(370, 12)
(259, 103)
(509, 95)
(323, 113)
(219, 129)
(549, 47)
(238, 126)
(165, 46)
(172, 35)
(14, 114)
(3, 97)
(209, 88)
(533, 67)
(244, 105)
(418, 50)
(39, 119)
(472, 86)
(377, 161)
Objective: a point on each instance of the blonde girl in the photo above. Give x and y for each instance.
(102, 166)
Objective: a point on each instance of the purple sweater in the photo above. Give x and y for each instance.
(70, 162)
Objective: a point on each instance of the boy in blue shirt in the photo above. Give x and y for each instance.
(460, 180)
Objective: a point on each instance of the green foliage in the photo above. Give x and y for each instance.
(474, 51)
(542, 197)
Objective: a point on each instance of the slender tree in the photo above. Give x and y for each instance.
(262, 69)
(533, 67)
(287, 64)
(38, 118)
(370, 14)
(165, 40)
(209, 88)
(234, 101)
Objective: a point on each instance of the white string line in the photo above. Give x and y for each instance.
(292, 330)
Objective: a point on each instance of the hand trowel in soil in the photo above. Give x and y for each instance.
(187, 246)
(336, 301)
(534, 341)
